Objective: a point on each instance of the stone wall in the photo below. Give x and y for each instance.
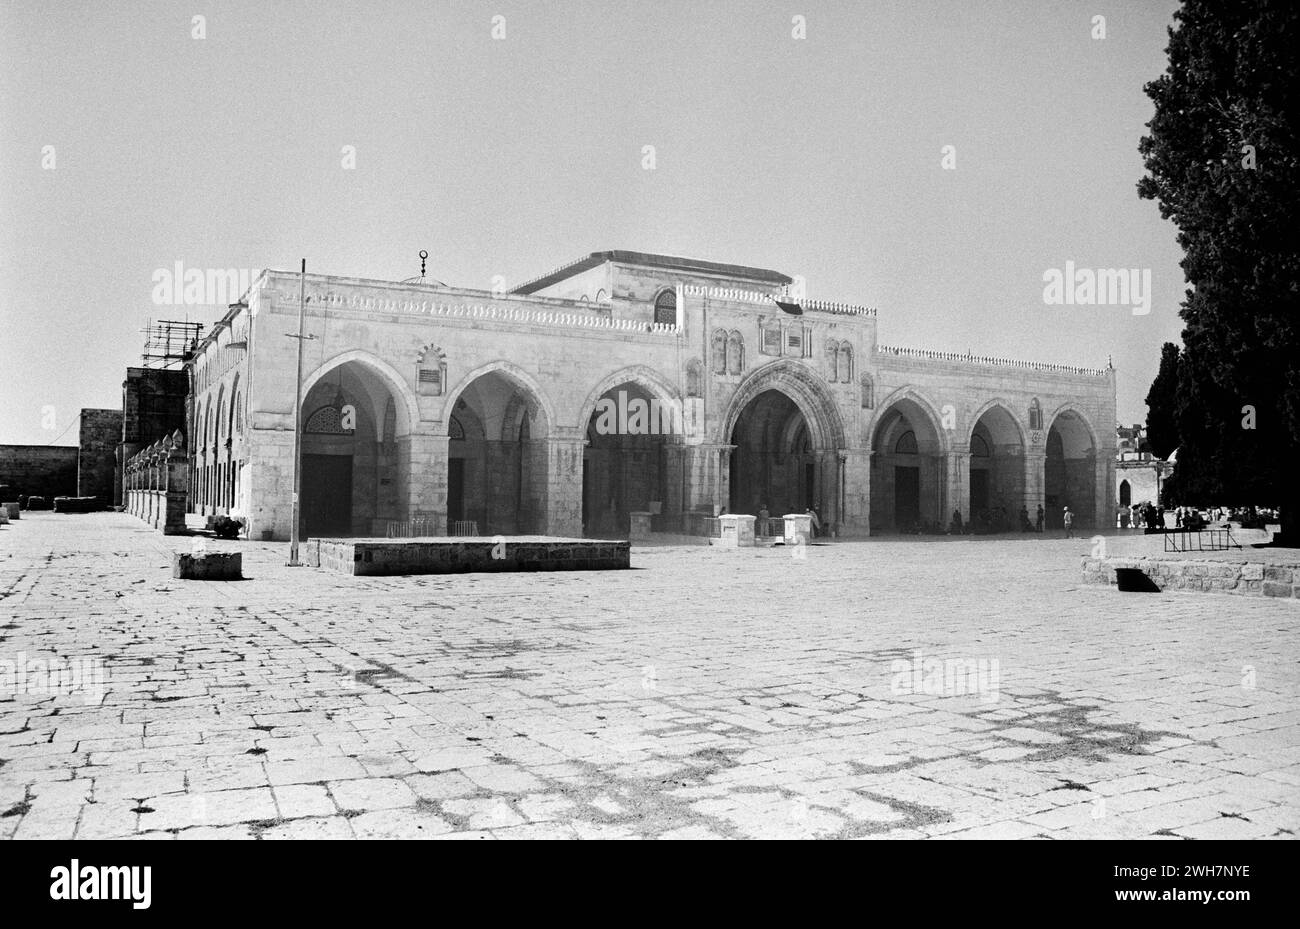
(98, 470)
(1250, 578)
(47, 471)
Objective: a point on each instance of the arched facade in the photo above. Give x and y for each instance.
(577, 400)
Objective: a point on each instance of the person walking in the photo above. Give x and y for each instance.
(1039, 522)
(816, 523)
(1068, 519)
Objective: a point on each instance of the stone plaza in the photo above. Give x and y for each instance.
(885, 688)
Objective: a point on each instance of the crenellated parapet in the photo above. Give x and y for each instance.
(484, 312)
(967, 358)
(759, 297)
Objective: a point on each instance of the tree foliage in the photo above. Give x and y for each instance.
(1223, 164)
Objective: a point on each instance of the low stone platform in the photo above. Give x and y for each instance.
(1244, 578)
(458, 555)
(208, 566)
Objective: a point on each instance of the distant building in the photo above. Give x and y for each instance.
(1138, 473)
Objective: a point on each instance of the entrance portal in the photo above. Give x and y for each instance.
(773, 465)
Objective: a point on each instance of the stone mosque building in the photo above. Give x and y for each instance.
(434, 405)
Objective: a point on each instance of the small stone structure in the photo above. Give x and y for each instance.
(737, 530)
(1249, 578)
(11, 508)
(798, 528)
(77, 504)
(461, 555)
(156, 481)
(208, 566)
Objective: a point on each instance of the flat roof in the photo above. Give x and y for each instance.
(649, 259)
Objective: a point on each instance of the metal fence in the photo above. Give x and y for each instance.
(411, 528)
(1200, 540)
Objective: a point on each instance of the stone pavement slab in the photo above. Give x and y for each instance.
(902, 688)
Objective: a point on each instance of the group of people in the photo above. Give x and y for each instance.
(1151, 516)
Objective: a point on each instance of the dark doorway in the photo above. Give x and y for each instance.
(907, 498)
(455, 490)
(979, 491)
(1125, 494)
(327, 496)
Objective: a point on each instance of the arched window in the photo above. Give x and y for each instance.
(719, 351)
(1125, 493)
(1035, 414)
(326, 421)
(735, 353)
(978, 447)
(601, 296)
(906, 444)
(694, 378)
(846, 363)
(868, 392)
(666, 308)
(832, 360)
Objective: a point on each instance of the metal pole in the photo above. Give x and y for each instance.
(297, 424)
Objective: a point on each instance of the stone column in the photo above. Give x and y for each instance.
(958, 485)
(1104, 492)
(422, 477)
(564, 486)
(856, 469)
(707, 468)
(1035, 480)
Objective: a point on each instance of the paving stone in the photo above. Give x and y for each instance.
(655, 703)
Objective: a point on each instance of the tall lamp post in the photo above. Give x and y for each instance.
(297, 421)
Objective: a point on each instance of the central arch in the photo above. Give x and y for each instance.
(784, 428)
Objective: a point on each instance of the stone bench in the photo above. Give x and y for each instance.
(208, 566)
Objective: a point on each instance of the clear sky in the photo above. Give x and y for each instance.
(818, 157)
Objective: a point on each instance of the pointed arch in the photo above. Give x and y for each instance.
(408, 408)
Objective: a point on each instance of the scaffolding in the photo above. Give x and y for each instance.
(169, 341)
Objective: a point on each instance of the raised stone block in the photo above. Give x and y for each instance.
(208, 566)
(737, 530)
(459, 555)
(798, 528)
(12, 509)
(76, 504)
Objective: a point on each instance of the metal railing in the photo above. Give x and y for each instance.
(1200, 540)
(411, 528)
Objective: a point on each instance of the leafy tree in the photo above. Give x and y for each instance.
(1162, 404)
(1223, 162)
